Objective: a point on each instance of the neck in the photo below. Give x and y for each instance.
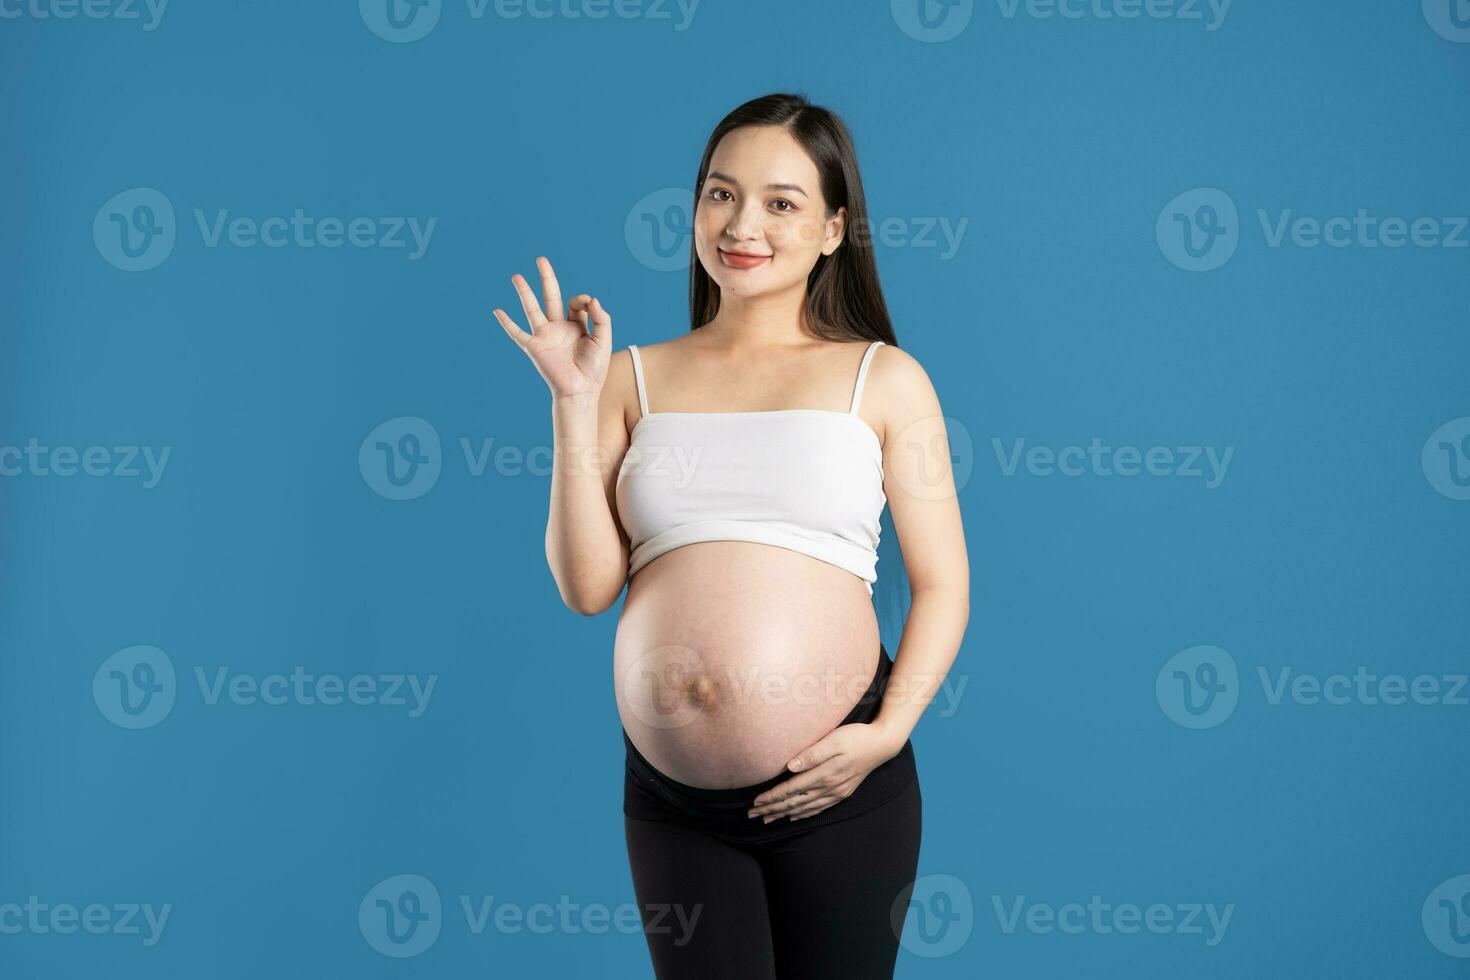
(746, 323)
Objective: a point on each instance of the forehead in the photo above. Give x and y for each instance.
(760, 155)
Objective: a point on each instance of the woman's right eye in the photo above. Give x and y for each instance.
(716, 190)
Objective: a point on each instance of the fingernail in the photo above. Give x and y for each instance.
(768, 819)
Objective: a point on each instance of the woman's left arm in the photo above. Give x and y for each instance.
(918, 480)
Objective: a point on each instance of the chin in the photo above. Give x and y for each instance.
(743, 288)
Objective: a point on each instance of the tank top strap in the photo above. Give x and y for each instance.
(638, 378)
(857, 394)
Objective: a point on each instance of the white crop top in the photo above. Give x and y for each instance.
(806, 479)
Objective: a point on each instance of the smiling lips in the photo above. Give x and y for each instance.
(742, 261)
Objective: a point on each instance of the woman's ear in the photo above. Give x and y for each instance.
(836, 228)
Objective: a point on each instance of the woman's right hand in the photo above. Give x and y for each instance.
(571, 361)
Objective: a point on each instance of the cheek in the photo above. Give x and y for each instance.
(706, 222)
(801, 235)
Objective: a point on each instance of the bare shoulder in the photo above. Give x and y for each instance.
(897, 393)
(676, 342)
(673, 351)
(899, 385)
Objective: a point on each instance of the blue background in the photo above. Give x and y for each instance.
(1060, 318)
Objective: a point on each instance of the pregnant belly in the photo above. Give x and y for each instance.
(732, 657)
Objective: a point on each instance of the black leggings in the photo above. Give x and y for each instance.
(726, 896)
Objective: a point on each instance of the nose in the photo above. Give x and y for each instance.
(745, 222)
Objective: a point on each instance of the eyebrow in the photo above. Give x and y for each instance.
(716, 175)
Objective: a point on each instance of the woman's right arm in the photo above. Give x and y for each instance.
(585, 546)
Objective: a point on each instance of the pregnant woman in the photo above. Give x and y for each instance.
(733, 478)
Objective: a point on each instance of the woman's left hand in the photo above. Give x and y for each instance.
(829, 772)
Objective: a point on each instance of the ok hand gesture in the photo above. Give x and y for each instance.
(571, 361)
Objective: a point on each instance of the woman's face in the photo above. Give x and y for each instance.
(761, 222)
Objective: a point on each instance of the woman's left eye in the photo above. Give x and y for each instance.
(789, 206)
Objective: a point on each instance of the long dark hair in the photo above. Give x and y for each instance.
(843, 298)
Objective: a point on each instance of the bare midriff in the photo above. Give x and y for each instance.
(731, 657)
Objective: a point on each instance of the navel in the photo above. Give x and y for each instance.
(703, 692)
